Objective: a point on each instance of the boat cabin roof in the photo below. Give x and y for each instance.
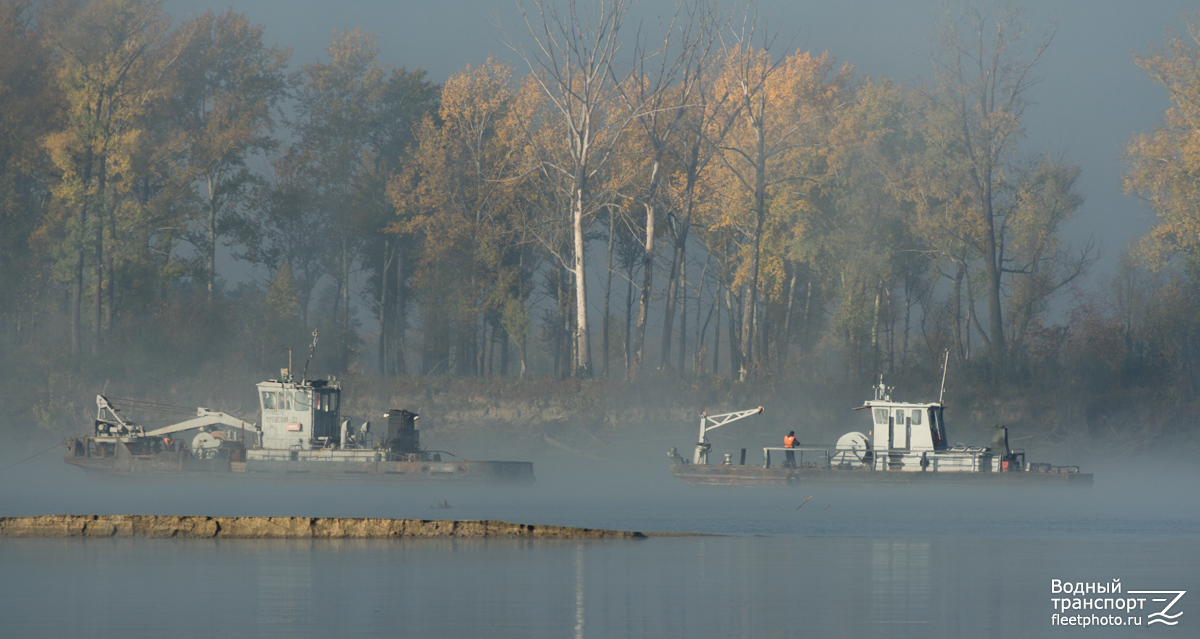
(891, 404)
(883, 399)
(322, 384)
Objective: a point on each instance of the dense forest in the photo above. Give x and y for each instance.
(692, 206)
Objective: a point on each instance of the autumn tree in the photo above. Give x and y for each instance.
(114, 69)
(231, 85)
(846, 230)
(281, 326)
(353, 121)
(29, 108)
(572, 58)
(1164, 164)
(981, 181)
(655, 98)
(1039, 262)
(778, 106)
(675, 108)
(460, 195)
(288, 228)
(337, 109)
(385, 257)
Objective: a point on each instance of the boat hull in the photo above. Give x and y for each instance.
(165, 462)
(177, 463)
(498, 471)
(715, 475)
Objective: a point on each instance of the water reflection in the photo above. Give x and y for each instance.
(284, 592)
(899, 584)
(693, 587)
(579, 591)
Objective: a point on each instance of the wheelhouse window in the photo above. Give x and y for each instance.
(916, 417)
(268, 400)
(881, 416)
(325, 401)
(937, 428)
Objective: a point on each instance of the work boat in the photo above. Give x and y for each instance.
(301, 433)
(906, 443)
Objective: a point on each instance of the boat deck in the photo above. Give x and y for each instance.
(730, 475)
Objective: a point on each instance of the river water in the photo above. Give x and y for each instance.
(884, 561)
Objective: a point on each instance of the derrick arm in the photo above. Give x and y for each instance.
(708, 423)
(205, 417)
(114, 418)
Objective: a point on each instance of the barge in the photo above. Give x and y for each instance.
(302, 433)
(906, 443)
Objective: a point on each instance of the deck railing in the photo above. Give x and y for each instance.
(826, 455)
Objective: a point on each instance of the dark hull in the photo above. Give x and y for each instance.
(713, 475)
(500, 471)
(167, 462)
(175, 463)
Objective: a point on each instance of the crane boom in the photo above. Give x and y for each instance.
(717, 421)
(115, 425)
(205, 417)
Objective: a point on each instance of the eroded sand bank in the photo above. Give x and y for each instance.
(192, 527)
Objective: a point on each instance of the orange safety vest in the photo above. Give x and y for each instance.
(789, 441)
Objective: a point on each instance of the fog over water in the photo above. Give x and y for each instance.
(929, 561)
(1128, 501)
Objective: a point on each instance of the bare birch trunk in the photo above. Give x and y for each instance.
(736, 315)
(400, 349)
(583, 350)
(211, 253)
(783, 342)
(804, 329)
(628, 322)
(959, 274)
(677, 257)
(504, 355)
(717, 331)
(384, 317)
(76, 303)
(907, 326)
(875, 332)
(612, 222)
(639, 342)
(98, 248)
(110, 306)
(750, 304)
(682, 314)
(344, 355)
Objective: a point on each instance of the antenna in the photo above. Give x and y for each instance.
(945, 365)
(304, 375)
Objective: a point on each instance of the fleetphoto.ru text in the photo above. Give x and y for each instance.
(1105, 603)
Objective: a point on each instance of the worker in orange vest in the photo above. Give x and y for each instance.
(790, 442)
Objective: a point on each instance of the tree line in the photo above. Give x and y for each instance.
(704, 201)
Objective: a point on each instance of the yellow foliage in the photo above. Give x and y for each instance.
(778, 147)
(1164, 165)
(114, 73)
(460, 192)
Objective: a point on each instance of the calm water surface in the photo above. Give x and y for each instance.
(851, 562)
